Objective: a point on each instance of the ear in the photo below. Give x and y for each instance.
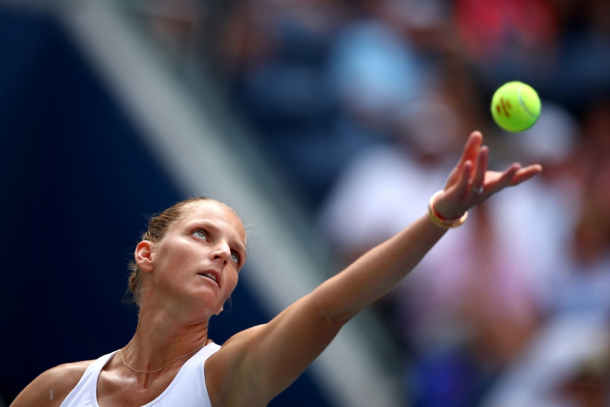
(220, 310)
(143, 256)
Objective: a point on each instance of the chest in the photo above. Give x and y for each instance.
(113, 391)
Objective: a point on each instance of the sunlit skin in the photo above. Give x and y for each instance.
(208, 237)
(471, 170)
(177, 302)
(258, 363)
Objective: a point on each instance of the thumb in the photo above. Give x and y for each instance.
(448, 203)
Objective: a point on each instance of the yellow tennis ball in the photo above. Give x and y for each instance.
(515, 106)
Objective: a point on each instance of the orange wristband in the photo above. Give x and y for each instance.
(438, 220)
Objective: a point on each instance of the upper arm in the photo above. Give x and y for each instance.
(59, 380)
(262, 361)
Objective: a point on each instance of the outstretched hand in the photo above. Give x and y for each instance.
(470, 183)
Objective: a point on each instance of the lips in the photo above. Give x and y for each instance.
(212, 275)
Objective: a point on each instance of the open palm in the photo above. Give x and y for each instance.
(470, 183)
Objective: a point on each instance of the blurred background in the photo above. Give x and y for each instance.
(327, 125)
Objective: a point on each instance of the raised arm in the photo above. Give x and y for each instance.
(264, 360)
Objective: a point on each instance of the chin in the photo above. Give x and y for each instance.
(203, 303)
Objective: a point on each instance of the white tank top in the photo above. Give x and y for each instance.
(188, 388)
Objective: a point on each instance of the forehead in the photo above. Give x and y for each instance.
(222, 216)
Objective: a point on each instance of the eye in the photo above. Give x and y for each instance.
(200, 233)
(235, 257)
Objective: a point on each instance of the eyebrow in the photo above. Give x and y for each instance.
(210, 225)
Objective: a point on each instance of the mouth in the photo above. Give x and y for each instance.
(212, 275)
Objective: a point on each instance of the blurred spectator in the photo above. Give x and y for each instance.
(540, 220)
(379, 193)
(287, 95)
(363, 106)
(376, 72)
(585, 282)
(568, 352)
(385, 188)
(589, 385)
(578, 279)
(174, 23)
(477, 298)
(513, 31)
(561, 48)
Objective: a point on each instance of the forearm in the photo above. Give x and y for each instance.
(376, 272)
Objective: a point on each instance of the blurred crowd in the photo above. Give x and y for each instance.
(363, 106)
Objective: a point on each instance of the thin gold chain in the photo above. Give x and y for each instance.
(156, 370)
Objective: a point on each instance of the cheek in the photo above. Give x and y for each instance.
(172, 266)
(231, 282)
(170, 255)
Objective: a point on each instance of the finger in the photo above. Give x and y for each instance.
(471, 148)
(505, 179)
(453, 177)
(462, 186)
(480, 168)
(526, 173)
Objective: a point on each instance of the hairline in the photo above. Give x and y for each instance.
(182, 212)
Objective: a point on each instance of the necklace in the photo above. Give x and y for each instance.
(156, 370)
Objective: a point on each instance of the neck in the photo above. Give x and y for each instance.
(160, 338)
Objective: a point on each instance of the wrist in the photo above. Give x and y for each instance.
(439, 219)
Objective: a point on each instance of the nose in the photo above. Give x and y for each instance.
(221, 251)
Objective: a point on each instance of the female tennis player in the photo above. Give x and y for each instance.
(187, 265)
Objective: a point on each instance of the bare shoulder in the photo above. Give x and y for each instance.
(60, 380)
(223, 362)
(222, 370)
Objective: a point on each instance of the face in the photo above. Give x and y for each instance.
(198, 261)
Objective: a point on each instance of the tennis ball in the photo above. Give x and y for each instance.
(515, 106)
